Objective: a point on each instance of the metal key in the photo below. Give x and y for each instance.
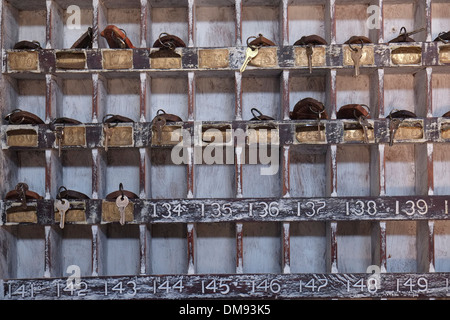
(159, 123)
(356, 54)
(122, 203)
(108, 133)
(393, 126)
(59, 136)
(249, 55)
(309, 53)
(365, 124)
(62, 206)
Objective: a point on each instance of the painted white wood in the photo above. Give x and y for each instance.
(261, 20)
(122, 167)
(401, 246)
(76, 100)
(262, 93)
(215, 26)
(440, 11)
(442, 252)
(306, 20)
(208, 93)
(354, 246)
(353, 170)
(440, 93)
(351, 18)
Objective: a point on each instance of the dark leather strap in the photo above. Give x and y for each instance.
(118, 193)
(261, 41)
(443, 36)
(85, 41)
(116, 38)
(358, 40)
(308, 108)
(169, 41)
(312, 39)
(27, 45)
(168, 117)
(402, 38)
(402, 114)
(352, 111)
(23, 117)
(71, 195)
(64, 120)
(446, 115)
(20, 189)
(115, 118)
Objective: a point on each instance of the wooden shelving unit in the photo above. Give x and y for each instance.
(334, 208)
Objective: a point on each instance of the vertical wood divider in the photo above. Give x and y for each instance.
(98, 240)
(144, 249)
(99, 23)
(191, 227)
(145, 24)
(284, 22)
(284, 87)
(238, 23)
(52, 252)
(330, 21)
(191, 23)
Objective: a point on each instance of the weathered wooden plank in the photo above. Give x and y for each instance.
(231, 286)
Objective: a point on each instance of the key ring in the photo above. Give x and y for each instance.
(251, 46)
(8, 116)
(362, 105)
(319, 113)
(354, 49)
(121, 191)
(109, 124)
(256, 116)
(443, 40)
(160, 110)
(58, 196)
(168, 44)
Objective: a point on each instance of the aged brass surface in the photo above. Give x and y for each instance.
(367, 57)
(70, 60)
(111, 213)
(117, 59)
(170, 135)
(17, 214)
(121, 136)
(213, 58)
(22, 138)
(74, 136)
(409, 130)
(266, 58)
(23, 60)
(406, 55)
(263, 134)
(301, 59)
(444, 54)
(310, 134)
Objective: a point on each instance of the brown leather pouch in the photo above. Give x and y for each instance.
(27, 45)
(85, 41)
(23, 117)
(115, 118)
(63, 193)
(358, 40)
(169, 41)
(308, 108)
(314, 40)
(353, 111)
(21, 193)
(116, 38)
(443, 36)
(260, 41)
(402, 114)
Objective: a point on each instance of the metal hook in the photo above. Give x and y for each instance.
(160, 110)
(362, 105)
(354, 49)
(256, 116)
(168, 44)
(58, 196)
(253, 47)
(22, 189)
(121, 191)
(443, 40)
(109, 124)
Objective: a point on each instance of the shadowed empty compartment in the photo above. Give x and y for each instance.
(401, 247)
(216, 248)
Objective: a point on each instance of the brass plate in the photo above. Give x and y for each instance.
(23, 60)
(111, 213)
(170, 135)
(257, 135)
(444, 54)
(213, 58)
(406, 55)
(122, 136)
(358, 135)
(209, 134)
(74, 136)
(410, 131)
(301, 59)
(266, 57)
(15, 214)
(22, 138)
(72, 216)
(367, 57)
(445, 132)
(117, 59)
(70, 60)
(310, 134)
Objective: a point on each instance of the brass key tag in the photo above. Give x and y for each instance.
(393, 127)
(249, 55)
(309, 53)
(365, 124)
(108, 133)
(62, 206)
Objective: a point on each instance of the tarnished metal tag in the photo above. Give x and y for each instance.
(317, 59)
(216, 134)
(122, 136)
(170, 135)
(70, 60)
(165, 59)
(22, 138)
(77, 214)
(266, 57)
(406, 55)
(409, 130)
(309, 134)
(111, 213)
(23, 60)
(357, 134)
(213, 58)
(445, 130)
(117, 59)
(16, 214)
(74, 136)
(444, 54)
(263, 134)
(367, 57)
